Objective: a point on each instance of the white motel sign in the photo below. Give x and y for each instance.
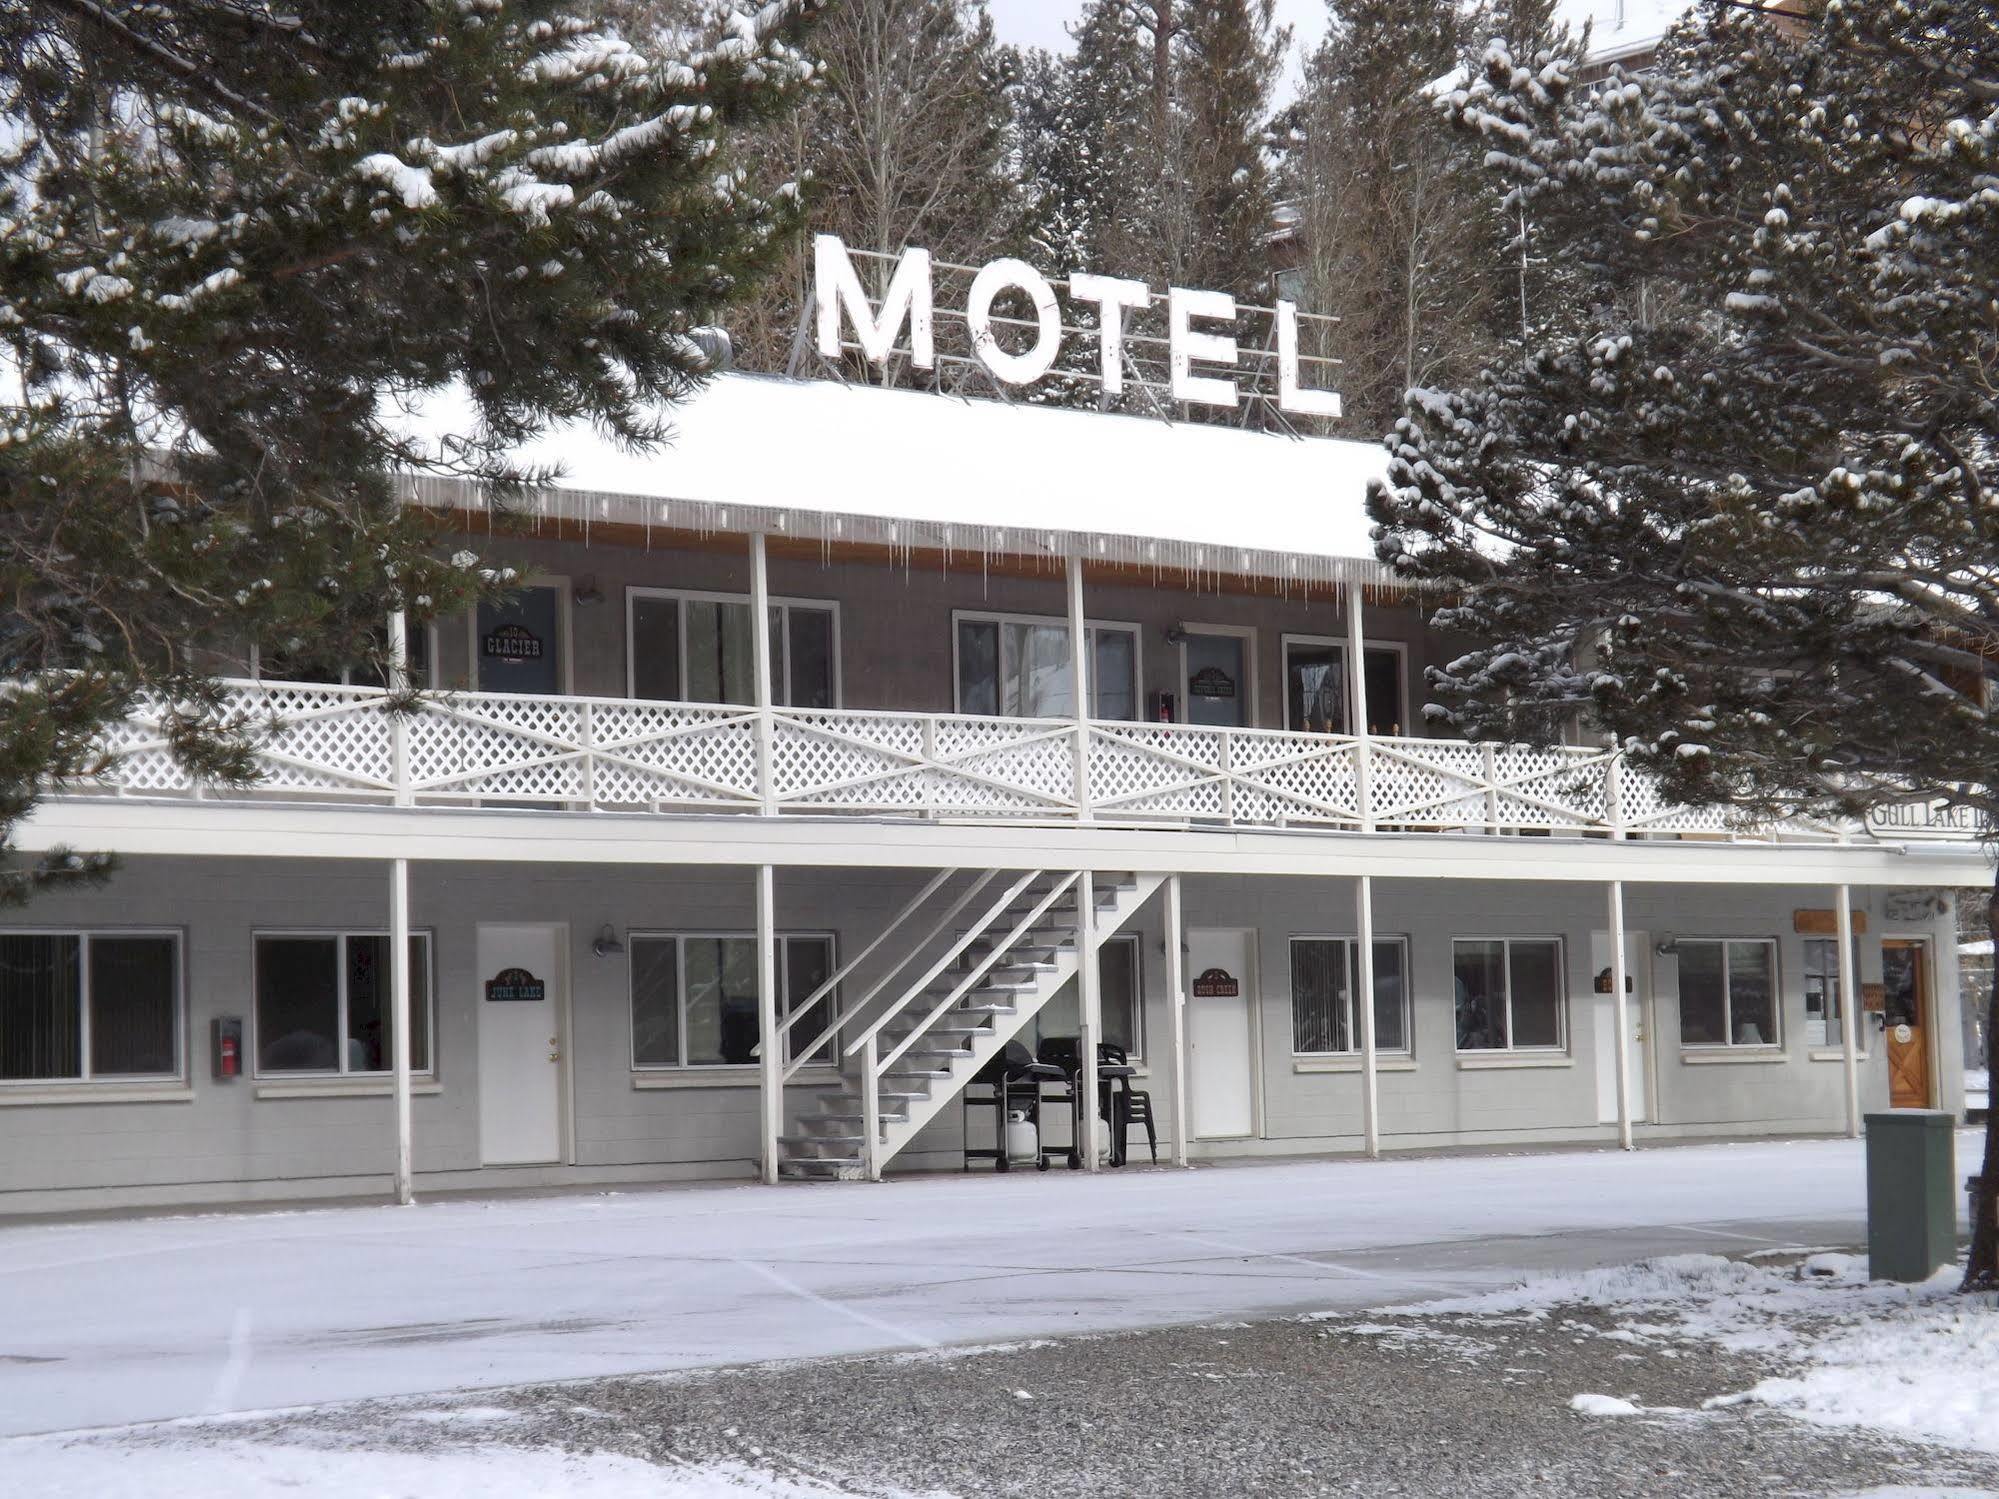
(908, 305)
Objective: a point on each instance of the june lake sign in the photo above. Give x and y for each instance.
(1216, 983)
(1924, 822)
(1211, 681)
(515, 986)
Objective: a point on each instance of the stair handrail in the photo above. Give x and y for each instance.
(979, 970)
(846, 969)
(951, 955)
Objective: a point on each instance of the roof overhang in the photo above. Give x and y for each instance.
(915, 471)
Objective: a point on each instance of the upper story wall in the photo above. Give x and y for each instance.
(896, 623)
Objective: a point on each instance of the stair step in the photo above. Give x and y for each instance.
(824, 1168)
(888, 1116)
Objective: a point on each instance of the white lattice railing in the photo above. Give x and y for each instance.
(614, 754)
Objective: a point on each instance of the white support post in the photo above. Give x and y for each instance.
(1176, 988)
(1089, 1009)
(1622, 1011)
(1849, 1006)
(760, 674)
(1357, 709)
(871, 1111)
(399, 681)
(1079, 672)
(399, 1023)
(1370, 1093)
(770, 1050)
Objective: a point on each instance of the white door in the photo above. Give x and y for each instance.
(521, 983)
(1221, 1049)
(1637, 1015)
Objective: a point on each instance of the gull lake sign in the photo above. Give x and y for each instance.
(1923, 822)
(909, 302)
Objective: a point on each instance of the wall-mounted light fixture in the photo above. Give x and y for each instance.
(607, 944)
(1667, 947)
(1176, 634)
(586, 593)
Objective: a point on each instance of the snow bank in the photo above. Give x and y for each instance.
(1602, 1405)
(133, 1469)
(1913, 1361)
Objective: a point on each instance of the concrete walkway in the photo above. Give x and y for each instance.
(119, 1321)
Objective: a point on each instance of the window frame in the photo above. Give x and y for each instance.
(1397, 648)
(1728, 1043)
(1507, 943)
(1349, 943)
(1004, 617)
(1834, 1040)
(430, 681)
(342, 935)
(1136, 1051)
(680, 937)
(682, 597)
(84, 1076)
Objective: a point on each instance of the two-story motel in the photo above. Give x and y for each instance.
(889, 726)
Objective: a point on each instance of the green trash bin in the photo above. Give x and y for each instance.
(1911, 1194)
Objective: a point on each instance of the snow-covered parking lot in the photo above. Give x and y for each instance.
(117, 1321)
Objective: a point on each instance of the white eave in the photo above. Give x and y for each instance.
(828, 462)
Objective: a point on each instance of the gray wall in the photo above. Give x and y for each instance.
(895, 623)
(222, 1140)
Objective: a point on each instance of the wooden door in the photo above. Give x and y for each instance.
(1906, 1009)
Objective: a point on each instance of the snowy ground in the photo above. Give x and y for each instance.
(1918, 1362)
(117, 1321)
(1593, 1378)
(1977, 1089)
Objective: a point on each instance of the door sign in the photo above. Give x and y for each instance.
(515, 986)
(511, 642)
(1216, 983)
(1211, 681)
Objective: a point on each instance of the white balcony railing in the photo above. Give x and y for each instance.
(617, 755)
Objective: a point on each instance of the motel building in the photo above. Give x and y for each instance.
(863, 731)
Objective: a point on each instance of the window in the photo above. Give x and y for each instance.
(85, 1006)
(1509, 993)
(696, 648)
(1324, 978)
(694, 997)
(1120, 999)
(273, 665)
(324, 1003)
(1822, 1026)
(1728, 992)
(1017, 666)
(1315, 686)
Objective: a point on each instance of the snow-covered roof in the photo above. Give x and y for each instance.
(1622, 28)
(831, 462)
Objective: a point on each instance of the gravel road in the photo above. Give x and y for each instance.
(1339, 1406)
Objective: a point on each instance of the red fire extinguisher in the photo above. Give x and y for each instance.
(228, 1047)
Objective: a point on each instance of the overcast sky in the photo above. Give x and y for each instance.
(1043, 23)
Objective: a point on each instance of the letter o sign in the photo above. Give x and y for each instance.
(995, 277)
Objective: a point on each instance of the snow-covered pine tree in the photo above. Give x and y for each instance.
(1741, 515)
(233, 233)
(1084, 120)
(909, 142)
(1399, 237)
(1218, 198)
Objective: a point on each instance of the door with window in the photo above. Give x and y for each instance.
(1216, 680)
(518, 644)
(1221, 1034)
(1906, 1009)
(698, 648)
(1315, 686)
(522, 1034)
